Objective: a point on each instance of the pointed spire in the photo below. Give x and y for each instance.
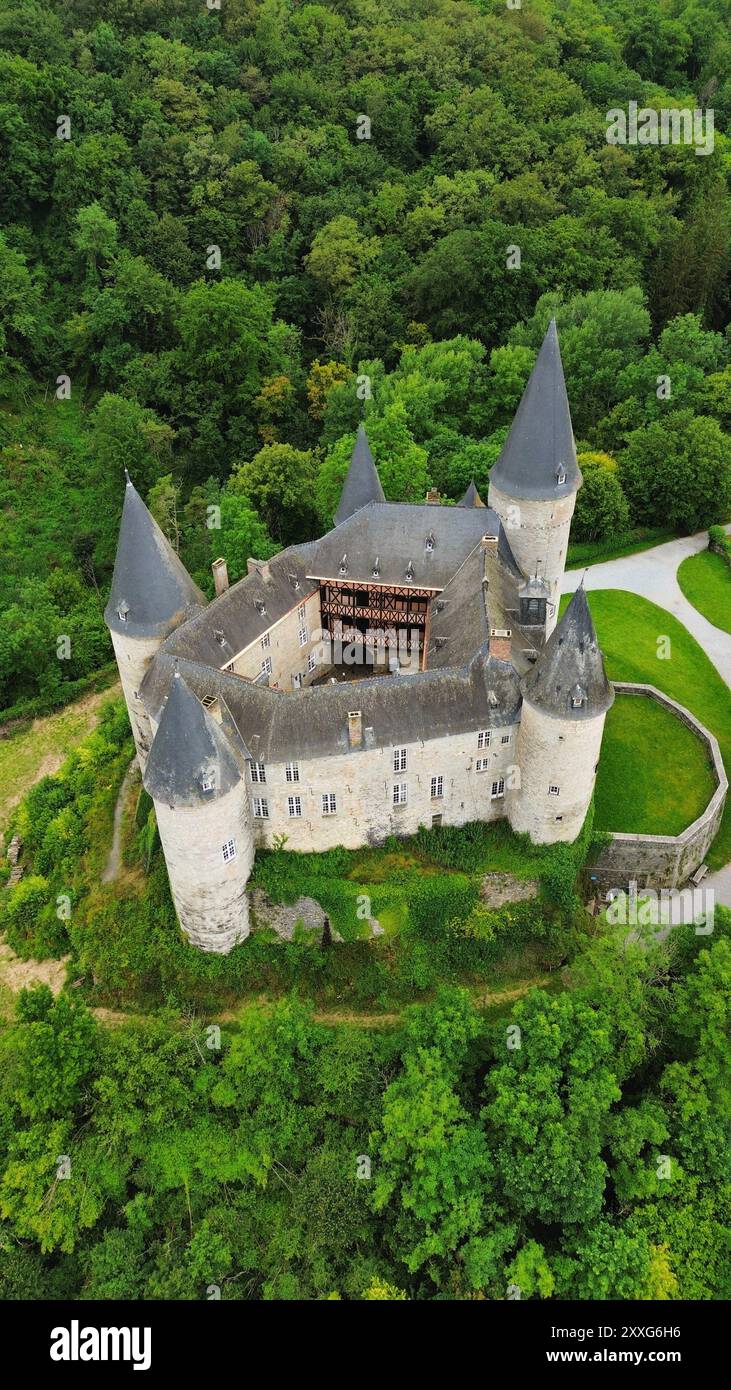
(151, 591)
(362, 483)
(568, 679)
(538, 458)
(191, 760)
(471, 498)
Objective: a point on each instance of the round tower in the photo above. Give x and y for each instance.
(196, 778)
(534, 483)
(151, 594)
(566, 696)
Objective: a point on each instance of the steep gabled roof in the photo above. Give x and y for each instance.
(150, 584)
(471, 498)
(571, 658)
(189, 752)
(362, 483)
(540, 445)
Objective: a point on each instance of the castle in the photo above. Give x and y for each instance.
(406, 669)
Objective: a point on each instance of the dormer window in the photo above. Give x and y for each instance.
(123, 611)
(578, 697)
(294, 581)
(343, 566)
(429, 543)
(376, 571)
(208, 780)
(410, 570)
(560, 475)
(260, 607)
(219, 637)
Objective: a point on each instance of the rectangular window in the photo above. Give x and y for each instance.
(266, 642)
(399, 759)
(301, 610)
(261, 808)
(400, 793)
(482, 764)
(553, 790)
(304, 638)
(266, 665)
(437, 787)
(483, 738)
(292, 772)
(311, 663)
(294, 805)
(498, 788)
(228, 850)
(258, 772)
(505, 738)
(329, 804)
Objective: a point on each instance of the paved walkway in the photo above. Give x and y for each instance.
(652, 573)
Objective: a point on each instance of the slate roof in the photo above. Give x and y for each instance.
(396, 533)
(541, 438)
(471, 498)
(149, 582)
(189, 748)
(570, 657)
(243, 612)
(362, 483)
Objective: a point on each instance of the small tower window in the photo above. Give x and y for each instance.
(228, 850)
(123, 611)
(553, 790)
(560, 475)
(578, 697)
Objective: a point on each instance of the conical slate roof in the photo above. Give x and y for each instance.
(471, 498)
(362, 483)
(150, 584)
(191, 760)
(540, 446)
(568, 679)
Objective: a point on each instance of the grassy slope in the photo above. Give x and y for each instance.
(582, 553)
(633, 793)
(706, 582)
(628, 628)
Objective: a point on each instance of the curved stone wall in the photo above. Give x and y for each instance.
(663, 861)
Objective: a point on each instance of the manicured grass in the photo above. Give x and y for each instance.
(628, 628)
(654, 774)
(706, 582)
(583, 553)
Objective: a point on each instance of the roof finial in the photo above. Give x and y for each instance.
(129, 480)
(176, 668)
(583, 577)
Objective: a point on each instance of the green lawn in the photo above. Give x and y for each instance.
(634, 793)
(706, 582)
(629, 628)
(582, 553)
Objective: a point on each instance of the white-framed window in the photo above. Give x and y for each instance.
(228, 850)
(229, 666)
(553, 790)
(329, 803)
(400, 793)
(294, 805)
(505, 738)
(498, 788)
(437, 787)
(292, 772)
(266, 642)
(399, 759)
(311, 662)
(261, 808)
(560, 475)
(266, 665)
(208, 782)
(304, 636)
(482, 764)
(484, 738)
(301, 610)
(258, 772)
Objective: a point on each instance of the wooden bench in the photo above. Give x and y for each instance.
(699, 875)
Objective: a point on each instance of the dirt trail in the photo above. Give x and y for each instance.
(115, 853)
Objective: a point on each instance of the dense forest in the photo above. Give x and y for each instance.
(228, 234)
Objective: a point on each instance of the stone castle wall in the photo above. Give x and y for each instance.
(134, 655)
(554, 752)
(288, 658)
(538, 533)
(209, 893)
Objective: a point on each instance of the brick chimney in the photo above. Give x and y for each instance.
(260, 567)
(220, 576)
(355, 728)
(500, 643)
(489, 543)
(434, 497)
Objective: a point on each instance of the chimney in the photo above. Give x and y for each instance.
(260, 567)
(500, 643)
(489, 543)
(434, 497)
(220, 576)
(355, 728)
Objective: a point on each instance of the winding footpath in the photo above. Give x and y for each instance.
(653, 575)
